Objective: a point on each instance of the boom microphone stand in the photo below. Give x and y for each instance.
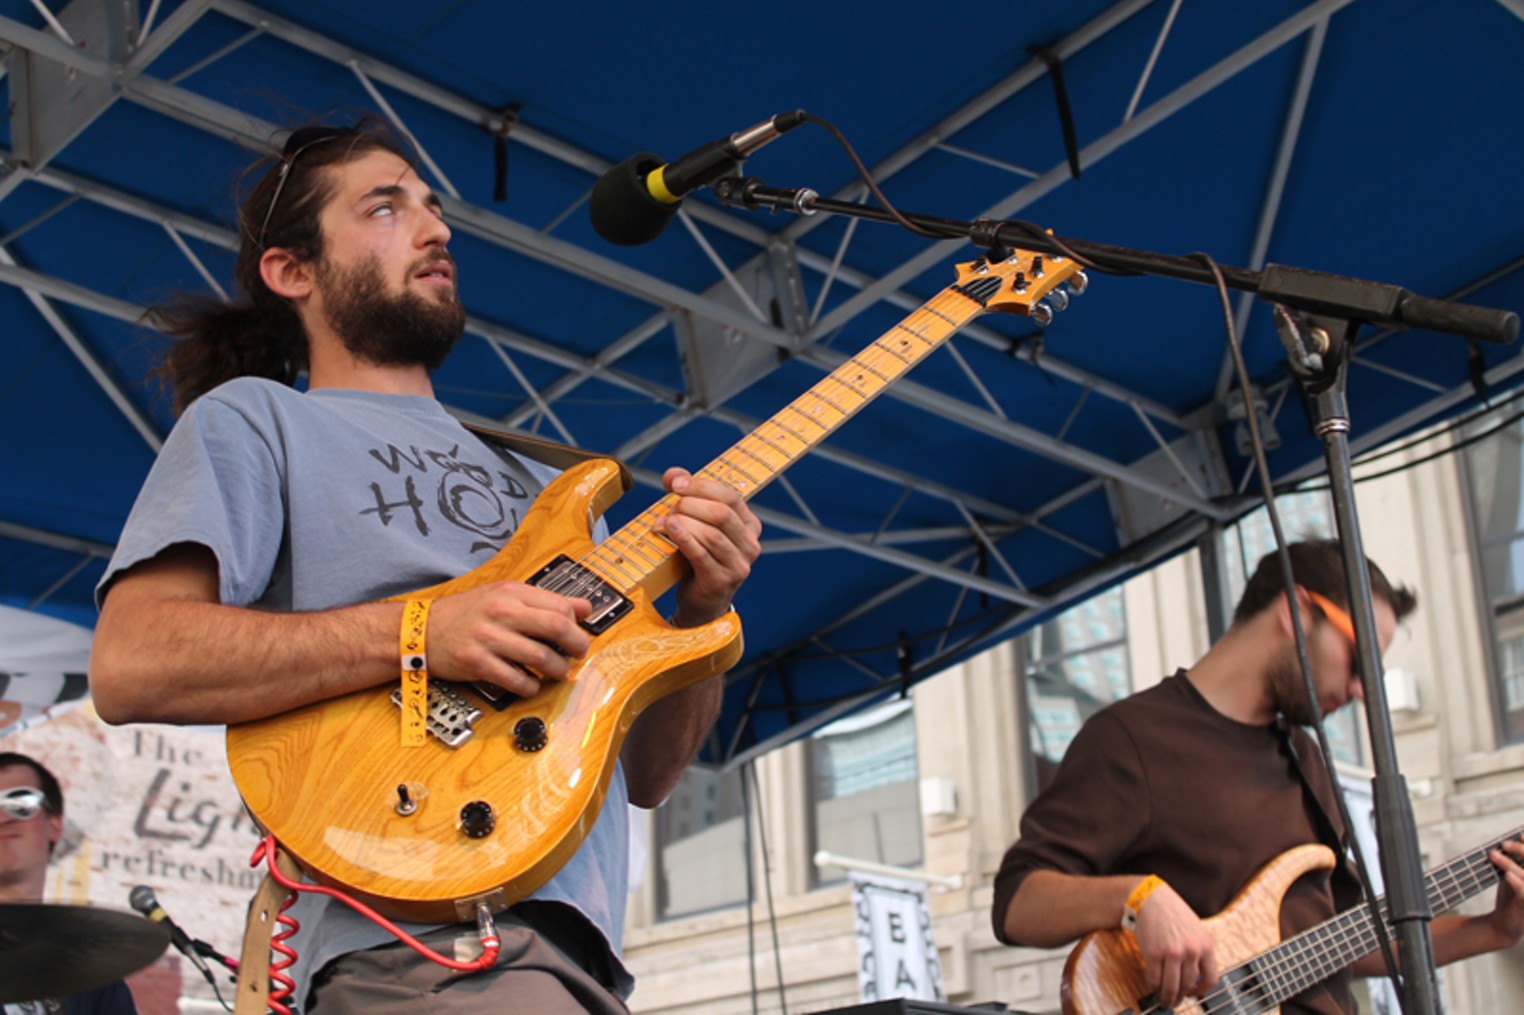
(1318, 350)
(1336, 296)
(1316, 315)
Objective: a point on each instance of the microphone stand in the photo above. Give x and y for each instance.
(1316, 292)
(1319, 350)
(207, 951)
(1316, 315)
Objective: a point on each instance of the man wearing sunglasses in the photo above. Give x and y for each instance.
(250, 577)
(31, 825)
(1169, 802)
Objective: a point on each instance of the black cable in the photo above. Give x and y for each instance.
(1459, 445)
(1090, 263)
(218, 992)
(1288, 577)
(751, 922)
(867, 178)
(898, 643)
(948, 233)
(1459, 423)
(767, 881)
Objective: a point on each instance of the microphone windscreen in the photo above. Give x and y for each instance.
(621, 207)
(142, 899)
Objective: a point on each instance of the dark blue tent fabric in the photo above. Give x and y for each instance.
(1010, 475)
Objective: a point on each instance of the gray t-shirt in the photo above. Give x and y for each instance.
(334, 497)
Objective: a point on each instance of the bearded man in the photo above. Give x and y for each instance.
(249, 577)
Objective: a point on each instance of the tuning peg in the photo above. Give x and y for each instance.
(1058, 299)
(1042, 313)
(1078, 283)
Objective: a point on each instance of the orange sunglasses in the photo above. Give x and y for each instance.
(1337, 615)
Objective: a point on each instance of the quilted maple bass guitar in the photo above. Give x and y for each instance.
(505, 789)
(1105, 975)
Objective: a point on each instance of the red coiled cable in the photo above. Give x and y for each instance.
(265, 851)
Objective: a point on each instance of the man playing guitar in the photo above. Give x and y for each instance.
(249, 577)
(1169, 802)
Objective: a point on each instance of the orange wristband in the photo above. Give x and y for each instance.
(1135, 901)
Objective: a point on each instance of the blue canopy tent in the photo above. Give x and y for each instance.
(1015, 472)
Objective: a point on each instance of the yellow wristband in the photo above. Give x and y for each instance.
(413, 643)
(1135, 901)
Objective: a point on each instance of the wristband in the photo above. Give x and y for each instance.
(1135, 901)
(412, 644)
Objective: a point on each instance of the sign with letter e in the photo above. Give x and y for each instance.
(896, 956)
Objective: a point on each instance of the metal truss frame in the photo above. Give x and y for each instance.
(805, 339)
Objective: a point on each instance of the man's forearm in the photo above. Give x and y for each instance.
(1453, 938)
(1052, 909)
(665, 739)
(184, 661)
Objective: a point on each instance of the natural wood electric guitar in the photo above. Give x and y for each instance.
(506, 789)
(1104, 974)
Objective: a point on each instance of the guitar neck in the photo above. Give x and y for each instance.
(638, 555)
(1314, 955)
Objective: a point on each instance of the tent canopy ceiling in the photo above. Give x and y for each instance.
(1015, 471)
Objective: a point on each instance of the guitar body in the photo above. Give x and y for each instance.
(324, 779)
(1105, 975)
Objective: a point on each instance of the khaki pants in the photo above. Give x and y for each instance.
(531, 975)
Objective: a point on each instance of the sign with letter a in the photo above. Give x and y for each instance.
(896, 956)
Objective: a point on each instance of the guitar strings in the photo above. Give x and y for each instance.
(634, 539)
(1287, 972)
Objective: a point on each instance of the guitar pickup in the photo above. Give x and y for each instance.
(566, 577)
(451, 718)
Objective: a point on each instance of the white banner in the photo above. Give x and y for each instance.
(155, 806)
(896, 956)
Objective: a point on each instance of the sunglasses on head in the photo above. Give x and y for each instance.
(23, 803)
(299, 141)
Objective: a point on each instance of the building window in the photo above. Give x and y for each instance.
(1511, 665)
(701, 844)
(1492, 469)
(863, 788)
(1303, 516)
(1075, 665)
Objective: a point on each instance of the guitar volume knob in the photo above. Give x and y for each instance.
(477, 820)
(529, 734)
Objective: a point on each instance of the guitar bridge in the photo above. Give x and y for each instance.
(566, 577)
(451, 718)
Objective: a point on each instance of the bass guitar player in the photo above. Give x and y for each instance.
(1170, 802)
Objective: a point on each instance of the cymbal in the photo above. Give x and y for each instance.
(54, 951)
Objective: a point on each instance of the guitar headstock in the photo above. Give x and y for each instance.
(1022, 283)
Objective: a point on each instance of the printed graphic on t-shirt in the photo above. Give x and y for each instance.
(427, 488)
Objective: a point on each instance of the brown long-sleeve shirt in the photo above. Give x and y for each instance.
(1162, 783)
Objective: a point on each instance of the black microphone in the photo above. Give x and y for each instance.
(143, 900)
(635, 200)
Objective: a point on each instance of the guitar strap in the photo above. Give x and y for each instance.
(1331, 840)
(557, 456)
(254, 964)
(1326, 827)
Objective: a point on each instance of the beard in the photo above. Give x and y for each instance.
(1288, 692)
(389, 328)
